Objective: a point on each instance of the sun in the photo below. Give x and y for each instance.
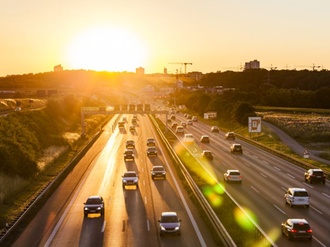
(106, 49)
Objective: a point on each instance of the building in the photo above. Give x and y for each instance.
(195, 75)
(139, 71)
(255, 64)
(58, 68)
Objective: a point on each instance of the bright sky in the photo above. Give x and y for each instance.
(213, 35)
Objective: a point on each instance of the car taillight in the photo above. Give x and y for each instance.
(294, 230)
(309, 231)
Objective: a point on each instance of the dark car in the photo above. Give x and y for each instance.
(230, 136)
(315, 176)
(151, 142)
(236, 148)
(94, 205)
(205, 139)
(152, 151)
(130, 144)
(130, 178)
(297, 229)
(174, 125)
(207, 154)
(128, 154)
(169, 223)
(158, 172)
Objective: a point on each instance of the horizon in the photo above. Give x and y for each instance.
(117, 37)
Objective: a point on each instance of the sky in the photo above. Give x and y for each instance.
(122, 35)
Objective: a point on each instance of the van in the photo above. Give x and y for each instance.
(297, 196)
(188, 138)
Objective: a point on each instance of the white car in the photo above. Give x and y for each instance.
(232, 176)
(188, 138)
(297, 197)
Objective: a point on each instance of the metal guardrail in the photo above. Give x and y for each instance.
(213, 218)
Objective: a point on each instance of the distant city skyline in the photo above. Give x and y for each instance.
(207, 36)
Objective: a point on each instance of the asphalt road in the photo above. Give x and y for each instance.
(130, 215)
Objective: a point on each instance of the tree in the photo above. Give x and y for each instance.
(243, 111)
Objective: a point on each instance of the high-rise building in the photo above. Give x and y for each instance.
(255, 64)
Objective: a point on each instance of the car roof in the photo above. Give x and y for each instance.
(232, 171)
(316, 170)
(297, 221)
(94, 197)
(157, 167)
(169, 214)
(130, 172)
(205, 136)
(297, 189)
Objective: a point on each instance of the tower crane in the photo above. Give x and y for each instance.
(185, 66)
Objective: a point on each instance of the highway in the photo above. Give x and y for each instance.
(265, 180)
(130, 215)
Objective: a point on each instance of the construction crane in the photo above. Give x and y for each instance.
(313, 67)
(185, 66)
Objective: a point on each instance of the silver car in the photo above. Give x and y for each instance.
(232, 176)
(169, 223)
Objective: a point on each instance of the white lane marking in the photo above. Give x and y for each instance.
(310, 186)
(289, 175)
(277, 168)
(263, 175)
(279, 209)
(255, 189)
(319, 242)
(103, 226)
(265, 162)
(247, 164)
(326, 195)
(316, 210)
(148, 225)
(145, 200)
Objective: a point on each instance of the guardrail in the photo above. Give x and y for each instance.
(50, 185)
(213, 218)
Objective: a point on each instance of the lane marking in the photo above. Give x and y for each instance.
(326, 195)
(148, 225)
(255, 189)
(247, 164)
(279, 209)
(277, 168)
(316, 210)
(291, 176)
(263, 175)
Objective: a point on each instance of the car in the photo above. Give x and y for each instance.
(188, 138)
(134, 121)
(230, 136)
(236, 148)
(132, 128)
(151, 141)
(194, 118)
(174, 125)
(190, 122)
(128, 154)
(314, 176)
(121, 124)
(215, 129)
(183, 124)
(169, 120)
(207, 154)
(232, 176)
(179, 130)
(152, 151)
(158, 172)
(296, 197)
(130, 144)
(94, 205)
(169, 223)
(130, 178)
(173, 117)
(297, 229)
(205, 139)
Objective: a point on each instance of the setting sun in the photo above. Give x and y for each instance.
(106, 49)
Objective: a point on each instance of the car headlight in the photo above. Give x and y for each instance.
(135, 180)
(162, 228)
(98, 208)
(124, 181)
(177, 228)
(86, 209)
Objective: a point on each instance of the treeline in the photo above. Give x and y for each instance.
(254, 79)
(25, 135)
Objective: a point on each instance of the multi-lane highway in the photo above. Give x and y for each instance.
(131, 215)
(265, 180)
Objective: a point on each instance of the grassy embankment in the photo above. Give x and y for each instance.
(16, 192)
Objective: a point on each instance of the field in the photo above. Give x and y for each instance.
(309, 127)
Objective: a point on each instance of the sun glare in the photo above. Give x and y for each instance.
(106, 49)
